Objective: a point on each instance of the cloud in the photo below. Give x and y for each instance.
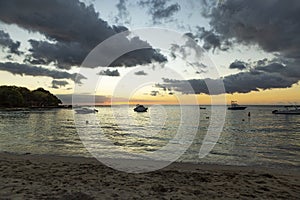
(190, 49)
(287, 68)
(64, 55)
(143, 55)
(140, 73)
(210, 39)
(7, 42)
(159, 9)
(273, 25)
(123, 14)
(109, 72)
(191, 53)
(57, 84)
(258, 77)
(78, 30)
(154, 93)
(240, 65)
(24, 69)
(246, 82)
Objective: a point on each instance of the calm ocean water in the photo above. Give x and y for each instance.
(263, 139)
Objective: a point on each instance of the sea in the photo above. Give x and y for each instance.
(261, 139)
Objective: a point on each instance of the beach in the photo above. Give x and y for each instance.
(57, 177)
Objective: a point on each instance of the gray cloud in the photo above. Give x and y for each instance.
(109, 72)
(123, 14)
(240, 65)
(189, 48)
(159, 9)
(154, 93)
(78, 30)
(7, 42)
(137, 57)
(57, 84)
(64, 55)
(272, 75)
(287, 68)
(140, 73)
(210, 39)
(273, 25)
(24, 69)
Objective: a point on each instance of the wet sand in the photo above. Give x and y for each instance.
(55, 177)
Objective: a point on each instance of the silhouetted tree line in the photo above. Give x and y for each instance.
(13, 96)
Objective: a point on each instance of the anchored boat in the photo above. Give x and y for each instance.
(288, 111)
(140, 108)
(236, 106)
(85, 111)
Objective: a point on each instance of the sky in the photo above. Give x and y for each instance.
(241, 50)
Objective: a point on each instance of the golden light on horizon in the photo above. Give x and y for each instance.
(262, 97)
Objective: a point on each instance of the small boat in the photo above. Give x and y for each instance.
(140, 108)
(288, 111)
(86, 111)
(235, 106)
(202, 108)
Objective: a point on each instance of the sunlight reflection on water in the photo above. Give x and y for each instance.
(263, 139)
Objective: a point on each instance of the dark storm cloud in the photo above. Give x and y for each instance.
(57, 84)
(123, 14)
(273, 25)
(140, 73)
(23, 69)
(7, 42)
(240, 65)
(159, 9)
(73, 28)
(109, 72)
(64, 55)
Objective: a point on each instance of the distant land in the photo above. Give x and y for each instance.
(21, 97)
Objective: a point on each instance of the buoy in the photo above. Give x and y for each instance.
(249, 114)
(86, 121)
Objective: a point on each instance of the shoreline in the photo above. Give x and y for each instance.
(61, 177)
(174, 165)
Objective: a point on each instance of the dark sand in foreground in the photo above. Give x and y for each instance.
(54, 177)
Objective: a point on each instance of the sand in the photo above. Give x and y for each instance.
(55, 177)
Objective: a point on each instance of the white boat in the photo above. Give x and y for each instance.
(288, 111)
(140, 108)
(86, 111)
(236, 106)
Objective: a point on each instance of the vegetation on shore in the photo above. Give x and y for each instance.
(13, 96)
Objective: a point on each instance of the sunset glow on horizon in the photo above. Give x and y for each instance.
(256, 67)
